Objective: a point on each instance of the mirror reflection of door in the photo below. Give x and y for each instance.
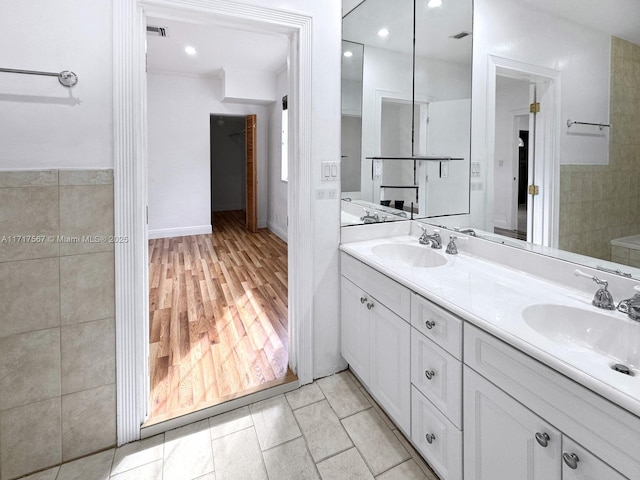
(513, 167)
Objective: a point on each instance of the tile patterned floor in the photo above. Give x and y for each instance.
(328, 430)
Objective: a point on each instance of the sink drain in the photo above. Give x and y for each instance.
(618, 367)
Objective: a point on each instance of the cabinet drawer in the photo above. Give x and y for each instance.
(390, 293)
(437, 324)
(587, 466)
(444, 453)
(609, 431)
(438, 375)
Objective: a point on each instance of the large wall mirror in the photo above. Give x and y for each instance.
(406, 110)
(561, 177)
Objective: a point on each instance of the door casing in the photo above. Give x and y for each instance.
(130, 186)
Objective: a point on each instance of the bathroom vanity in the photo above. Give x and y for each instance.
(493, 372)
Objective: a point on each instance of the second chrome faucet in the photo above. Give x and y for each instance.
(434, 240)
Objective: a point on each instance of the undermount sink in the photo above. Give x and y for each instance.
(609, 335)
(414, 255)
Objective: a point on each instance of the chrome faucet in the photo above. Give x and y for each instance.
(368, 218)
(631, 306)
(602, 298)
(469, 231)
(434, 240)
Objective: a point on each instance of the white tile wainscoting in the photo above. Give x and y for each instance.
(57, 328)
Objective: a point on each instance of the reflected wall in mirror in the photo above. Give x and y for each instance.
(415, 104)
(582, 68)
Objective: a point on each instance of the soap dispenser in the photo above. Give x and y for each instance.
(631, 306)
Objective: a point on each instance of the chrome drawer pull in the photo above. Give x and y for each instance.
(363, 299)
(571, 459)
(430, 324)
(542, 439)
(370, 306)
(430, 437)
(429, 374)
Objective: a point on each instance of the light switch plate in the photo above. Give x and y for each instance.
(329, 171)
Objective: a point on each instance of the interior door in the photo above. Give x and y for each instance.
(252, 174)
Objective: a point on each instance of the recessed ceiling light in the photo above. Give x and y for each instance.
(434, 3)
(348, 53)
(190, 50)
(383, 32)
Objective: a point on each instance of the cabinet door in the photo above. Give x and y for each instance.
(503, 440)
(389, 375)
(354, 328)
(580, 464)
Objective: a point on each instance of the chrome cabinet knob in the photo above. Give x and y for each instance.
(370, 306)
(430, 437)
(363, 299)
(429, 374)
(429, 324)
(571, 459)
(542, 439)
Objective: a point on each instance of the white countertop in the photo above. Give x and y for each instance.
(492, 297)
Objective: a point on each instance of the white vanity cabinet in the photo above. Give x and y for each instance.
(504, 440)
(375, 337)
(436, 377)
(515, 405)
(580, 464)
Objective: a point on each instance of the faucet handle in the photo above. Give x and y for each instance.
(452, 248)
(602, 298)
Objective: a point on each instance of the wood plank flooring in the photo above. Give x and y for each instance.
(218, 316)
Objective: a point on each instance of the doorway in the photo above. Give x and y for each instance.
(218, 299)
(130, 190)
(530, 92)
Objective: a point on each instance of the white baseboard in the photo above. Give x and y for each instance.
(180, 231)
(278, 231)
(501, 223)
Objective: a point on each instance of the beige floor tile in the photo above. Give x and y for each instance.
(345, 465)
(408, 470)
(343, 395)
(187, 452)
(149, 471)
(322, 430)
(377, 408)
(230, 422)
(426, 469)
(376, 443)
(136, 454)
(353, 378)
(94, 467)
(274, 422)
(304, 396)
(290, 461)
(238, 457)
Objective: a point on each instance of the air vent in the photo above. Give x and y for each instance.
(159, 31)
(460, 35)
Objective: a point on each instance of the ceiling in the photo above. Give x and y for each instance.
(216, 47)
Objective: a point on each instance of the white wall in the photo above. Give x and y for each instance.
(43, 124)
(278, 197)
(509, 30)
(325, 108)
(179, 162)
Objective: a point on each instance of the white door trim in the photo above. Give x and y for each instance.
(130, 186)
(547, 132)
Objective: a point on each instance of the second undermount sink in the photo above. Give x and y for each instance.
(414, 255)
(608, 334)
